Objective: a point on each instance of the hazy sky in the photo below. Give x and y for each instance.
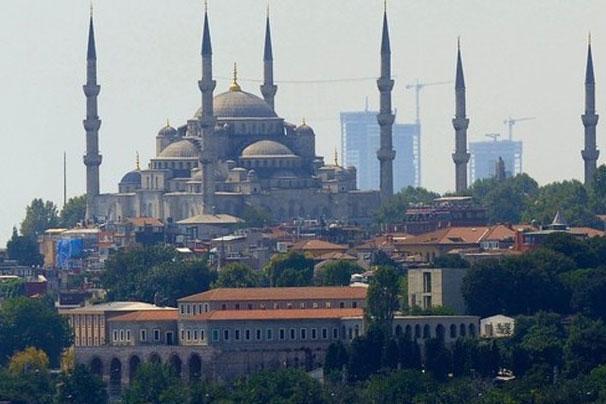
(521, 58)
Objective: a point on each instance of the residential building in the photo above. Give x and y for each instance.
(436, 287)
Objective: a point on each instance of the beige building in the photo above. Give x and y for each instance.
(434, 287)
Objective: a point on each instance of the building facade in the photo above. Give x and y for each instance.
(360, 135)
(436, 287)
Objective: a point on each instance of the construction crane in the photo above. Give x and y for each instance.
(512, 121)
(493, 136)
(417, 86)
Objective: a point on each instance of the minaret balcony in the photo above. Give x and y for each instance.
(386, 154)
(590, 119)
(91, 90)
(385, 84)
(460, 123)
(590, 154)
(92, 160)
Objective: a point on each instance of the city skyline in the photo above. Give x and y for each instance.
(131, 121)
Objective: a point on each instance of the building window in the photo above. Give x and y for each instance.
(182, 309)
(156, 335)
(282, 334)
(127, 335)
(188, 309)
(121, 335)
(426, 302)
(195, 335)
(289, 305)
(276, 306)
(328, 305)
(314, 333)
(269, 334)
(335, 333)
(356, 331)
(237, 306)
(426, 282)
(250, 306)
(302, 305)
(354, 305)
(350, 333)
(215, 335)
(143, 335)
(189, 335)
(303, 333)
(324, 333)
(206, 307)
(225, 335)
(293, 333)
(342, 305)
(182, 335)
(237, 335)
(115, 336)
(259, 334)
(201, 335)
(262, 306)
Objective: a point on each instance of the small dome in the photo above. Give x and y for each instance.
(304, 129)
(167, 131)
(265, 148)
(181, 149)
(240, 104)
(131, 178)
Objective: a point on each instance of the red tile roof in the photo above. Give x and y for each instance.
(148, 315)
(461, 235)
(301, 293)
(283, 314)
(587, 231)
(317, 245)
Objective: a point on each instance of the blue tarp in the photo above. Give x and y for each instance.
(68, 249)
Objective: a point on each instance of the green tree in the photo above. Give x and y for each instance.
(580, 251)
(598, 191)
(291, 269)
(337, 273)
(365, 354)
(585, 347)
(23, 249)
(154, 273)
(450, 261)
(292, 386)
(32, 323)
(487, 288)
(404, 386)
(237, 275)
(30, 386)
(336, 357)
(12, 288)
(437, 359)
(392, 211)
(73, 212)
(39, 216)
(81, 386)
(156, 383)
(382, 299)
(587, 288)
(256, 217)
(28, 360)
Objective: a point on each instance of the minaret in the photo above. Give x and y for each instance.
(268, 88)
(590, 120)
(385, 118)
(207, 122)
(460, 124)
(92, 123)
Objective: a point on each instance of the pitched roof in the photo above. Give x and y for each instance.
(220, 218)
(283, 314)
(317, 245)
(293, 293)
(450, 235)
(336, 255)
(500, 233)
(145, 221)
(587, 231)
(148, 315)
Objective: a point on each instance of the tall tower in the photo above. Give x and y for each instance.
(92, 123)
(590, 120)
(385, 118)
(460, 124)
(268, 88)
(207, 122)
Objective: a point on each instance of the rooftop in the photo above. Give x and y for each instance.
(294, 293)
(211, 219)
(310, 245)
(117, 306)
(284, 314)
(149, 315)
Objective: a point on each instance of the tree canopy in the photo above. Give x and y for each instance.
(336, 273)
(39, 216)
(392, 211)
(73, 212)
(238, 275)
(290, 269)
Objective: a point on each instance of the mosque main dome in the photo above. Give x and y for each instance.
(264, 148)
(240, 104)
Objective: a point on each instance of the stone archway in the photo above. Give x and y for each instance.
(195, 367)
(440, 332)
(398, 330)
(133, 365)
(176, 364)
(115, 376)
(155, 358)
(96, 366)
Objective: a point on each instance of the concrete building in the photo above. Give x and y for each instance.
(485, 155)
(436, 287)
(360, 134)
(234, 153)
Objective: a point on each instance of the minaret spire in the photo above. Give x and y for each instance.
(460, 124)
(268, 88)
(92, 123)
(207, 120)
(385, 118)
(590, 153)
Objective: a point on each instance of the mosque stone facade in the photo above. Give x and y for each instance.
(234, 152)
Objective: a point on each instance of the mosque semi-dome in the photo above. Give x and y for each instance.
(131, 178)
(167, 131)
(265, 148)
(180, 149)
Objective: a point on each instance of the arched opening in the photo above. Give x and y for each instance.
(133, 366)
(453, 331)
(155, 358)
(96, 366)
(115, 376)
(417, 331)
(426, 331)
(440, 332)
(472, 330)
(408, 332)
(398, 330)
(462, 330)
(175, 364)
(195, 367)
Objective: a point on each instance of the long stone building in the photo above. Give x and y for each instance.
(235, 152)
(226, 333)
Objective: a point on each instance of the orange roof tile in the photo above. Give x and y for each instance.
(500, 233)
(283, 314)
(311, 245)
(148, 315)
(588, 231)
(336, 255)
(460, 235)
(294, 293)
